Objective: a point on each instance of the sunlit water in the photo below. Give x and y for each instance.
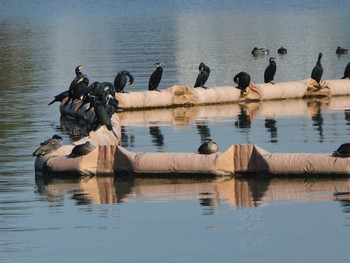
(113, 219)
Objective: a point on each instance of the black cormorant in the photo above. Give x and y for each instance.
(203, 75)
(341, 50)
(242, 79)
(260, 51)
(347, 72)
(49, 146)
(282, 50)
(111, 104)
(208, 147)
(317, 71)
(122, 79)
(60, 97)
(82, 149)
(102, 117)
(270, 71)
(90, 92)
(342, 151)
(78, 86)
(156, 76)
(108, 88)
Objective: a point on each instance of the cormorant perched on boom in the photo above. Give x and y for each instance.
(203, 75)
(102, 117)
(78, 85)
(347, 72)
(65, 94)
(270, 71)
(59, 97)
(243, 81)
(317, 71)
(122, 79)
(156, 76)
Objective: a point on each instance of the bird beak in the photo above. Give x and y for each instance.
(81, 67)
(80, 80)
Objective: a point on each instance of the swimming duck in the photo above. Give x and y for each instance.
(208, 147)
(48, 146)
(341, 51)
(282, 50)
(342, 151)
(317, 71)
(260, 51)
(270, 71)
(203, 75)
(156, 76)
(82, 149)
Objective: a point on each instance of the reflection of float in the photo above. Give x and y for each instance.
(109, 157)
(184, 95)
(183, 116)
(238, 192)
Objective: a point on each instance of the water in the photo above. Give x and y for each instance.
(118, 219)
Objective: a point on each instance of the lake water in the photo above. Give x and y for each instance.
(170, 219)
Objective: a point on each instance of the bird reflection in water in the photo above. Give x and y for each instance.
(344, 199)
(243, 118)
(270, 125)
(317, 118)
(74, 128)
(210, 203)
(347, 116)
(157, 137)
(128, 138)
(203, 130)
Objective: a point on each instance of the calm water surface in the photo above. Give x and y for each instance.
(116, 219)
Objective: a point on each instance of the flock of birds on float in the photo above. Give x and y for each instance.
(101, 97)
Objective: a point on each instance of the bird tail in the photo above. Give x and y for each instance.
(52, 102)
